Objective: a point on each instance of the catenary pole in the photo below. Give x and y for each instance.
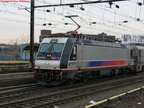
(32, 36)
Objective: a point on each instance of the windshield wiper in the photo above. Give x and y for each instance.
(51, 48)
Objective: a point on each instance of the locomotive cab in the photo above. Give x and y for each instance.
(52, 57)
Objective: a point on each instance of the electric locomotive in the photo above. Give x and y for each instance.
(64, 60)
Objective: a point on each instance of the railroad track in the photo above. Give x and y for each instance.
(49, 97)
(14, 82)
(18, 86)
(14, 76)
(14, 70)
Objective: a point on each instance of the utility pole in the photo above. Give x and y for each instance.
(32, 36)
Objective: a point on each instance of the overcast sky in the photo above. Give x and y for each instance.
(94, 19)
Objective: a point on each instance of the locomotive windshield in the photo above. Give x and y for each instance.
(50, 51)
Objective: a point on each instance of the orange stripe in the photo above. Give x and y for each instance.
(120, 62)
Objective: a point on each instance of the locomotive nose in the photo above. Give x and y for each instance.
(47, 64)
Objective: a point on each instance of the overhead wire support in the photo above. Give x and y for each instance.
(24, 8)
(76, 24)
(81, 3)
(74, 21)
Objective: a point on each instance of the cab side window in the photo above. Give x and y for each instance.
(73, 55)
(131, 54)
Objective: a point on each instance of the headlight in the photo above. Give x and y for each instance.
(37, 67)
(55, 67)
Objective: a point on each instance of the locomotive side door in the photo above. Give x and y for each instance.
(76, 57)
(73, 58)
(80, 56)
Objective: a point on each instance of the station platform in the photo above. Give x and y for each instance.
(10, 65)
(14, 62)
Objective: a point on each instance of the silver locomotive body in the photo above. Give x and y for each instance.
(65, 60)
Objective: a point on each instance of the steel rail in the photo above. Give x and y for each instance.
(76, 95)
(15, 87)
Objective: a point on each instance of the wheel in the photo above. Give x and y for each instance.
(116, 74)
(124, 72)
(135, 73)
(84, 79)
(71, 82)
(113, 73)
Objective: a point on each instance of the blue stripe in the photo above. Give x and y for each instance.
(95, 63)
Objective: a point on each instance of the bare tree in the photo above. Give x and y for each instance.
(24, 39)
(14, 45)
(14, 42)
(20, 40)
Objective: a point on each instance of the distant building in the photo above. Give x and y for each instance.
(99, 37)
(44, 34)
(128, 38)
